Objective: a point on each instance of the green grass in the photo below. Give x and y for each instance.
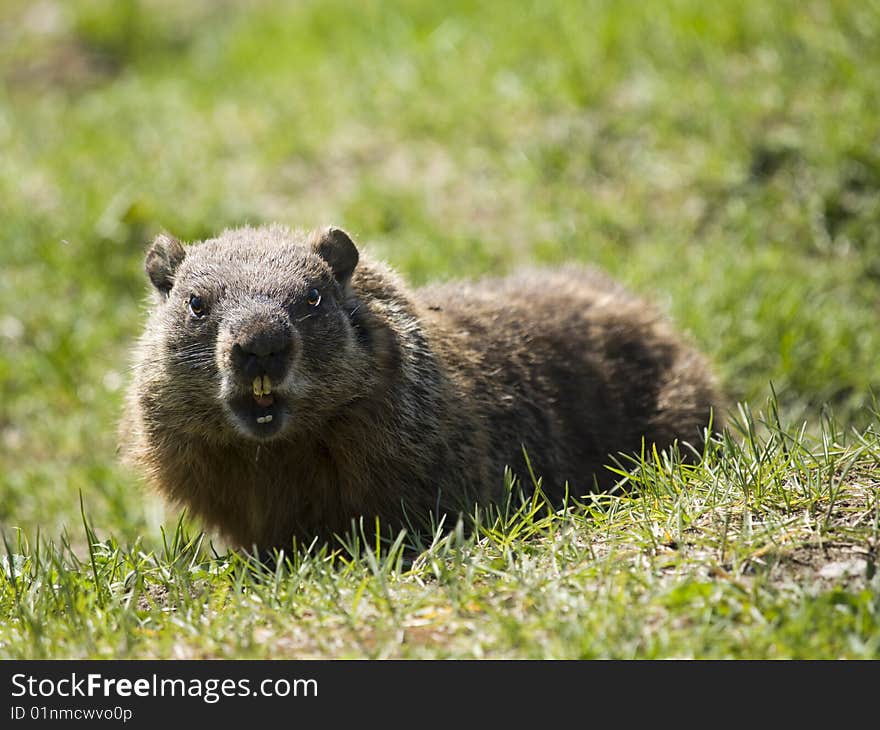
(767, 549)
(722, 160)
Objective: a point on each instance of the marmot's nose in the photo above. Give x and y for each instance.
(262, 353)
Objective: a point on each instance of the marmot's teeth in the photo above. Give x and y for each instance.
(262, 386)
(264, 419)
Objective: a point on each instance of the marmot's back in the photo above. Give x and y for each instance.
(570, 365)
(284, 386)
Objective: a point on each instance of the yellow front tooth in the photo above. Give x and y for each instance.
(258, 386)
(267, 385)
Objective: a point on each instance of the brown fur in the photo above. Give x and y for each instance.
(396, 403)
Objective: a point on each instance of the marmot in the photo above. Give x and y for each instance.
(285, 385)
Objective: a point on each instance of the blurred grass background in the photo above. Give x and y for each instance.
(722, 159)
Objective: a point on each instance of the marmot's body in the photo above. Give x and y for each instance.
(283, 388)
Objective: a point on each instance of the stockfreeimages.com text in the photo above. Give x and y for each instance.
(209, 690)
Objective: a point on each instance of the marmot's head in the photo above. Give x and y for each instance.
(252, 334)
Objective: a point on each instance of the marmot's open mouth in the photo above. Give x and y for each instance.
(263, 397)
(260, 410)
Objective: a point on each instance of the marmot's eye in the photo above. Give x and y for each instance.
(314, 298)
(197, 306)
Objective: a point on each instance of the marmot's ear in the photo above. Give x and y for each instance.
(162, 261)
(336, 248)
